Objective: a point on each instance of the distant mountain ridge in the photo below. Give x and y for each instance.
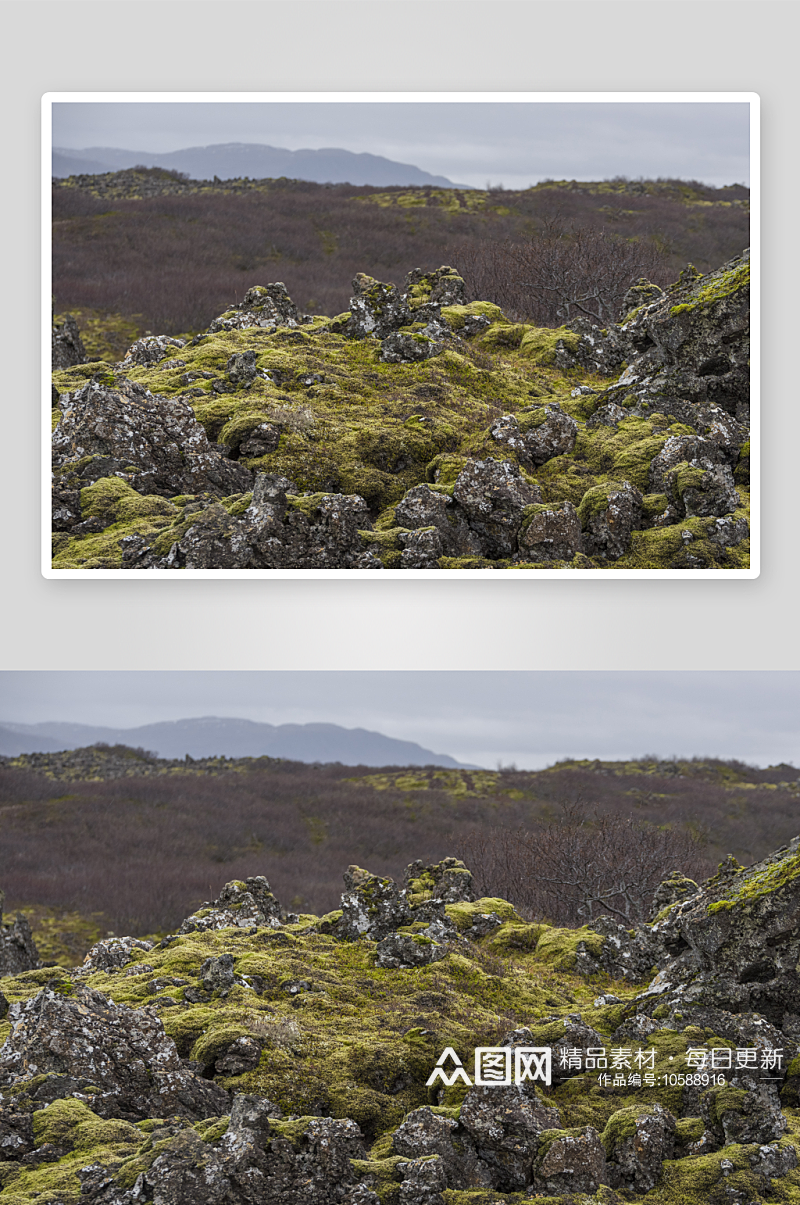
(211, 736)
(231, 160)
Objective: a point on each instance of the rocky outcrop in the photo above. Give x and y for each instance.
(68, 349)
(119, 1061)
(17, 948)
(426, 423)
(682, 1087)
(153, 443)
(245, 904)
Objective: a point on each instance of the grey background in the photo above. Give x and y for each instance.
(491, 622)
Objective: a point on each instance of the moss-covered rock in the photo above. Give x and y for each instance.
(328, 407)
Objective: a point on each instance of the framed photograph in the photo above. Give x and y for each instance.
(336, 334)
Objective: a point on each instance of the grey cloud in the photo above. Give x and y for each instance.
(516, 144)
(528, 717)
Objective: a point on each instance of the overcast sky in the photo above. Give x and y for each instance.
(529, 718)
(500, 143)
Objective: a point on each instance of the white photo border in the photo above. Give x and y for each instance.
(750, 98)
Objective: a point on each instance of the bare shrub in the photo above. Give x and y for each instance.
(561, 274)
(581, 866)
(179, 260)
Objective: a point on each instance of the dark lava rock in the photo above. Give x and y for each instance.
(448, 881)
(376, 309)
(552, 533)
(409, 950)
(68, 349)
(371, 906)
(17, 948)
(505, 1124)
(268, 306)
(241, 368)
(150, 350)
(112, 954)
(493, 495)
(572, 1161)
(125, 1054)
(156, 440)
(608, 517)
(736, 942)
(242, 903)
(422, 507)
(637, 1140)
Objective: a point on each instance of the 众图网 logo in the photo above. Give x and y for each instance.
(618, 1067)
(495, 1066)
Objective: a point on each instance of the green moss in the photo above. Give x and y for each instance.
(721, 285)
(621, 1126)
(112, 498)
(593, 502)
(463, 914)
(103, 550)
(539, 344)
(756, 885)
(456, 315)
(559, 947)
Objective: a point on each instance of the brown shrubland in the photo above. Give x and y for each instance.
(146, 851)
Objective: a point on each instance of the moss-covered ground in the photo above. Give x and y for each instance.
(351, 424)
(360, 1041)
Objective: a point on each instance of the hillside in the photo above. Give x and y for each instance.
(115, 832)
(416, 431)
(151, 251)
(418, 1045)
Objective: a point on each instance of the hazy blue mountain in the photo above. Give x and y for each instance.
(13, 743)
(213, 736)
(330, 165)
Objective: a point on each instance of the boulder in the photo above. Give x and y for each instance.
(215, 540)
(551, 533)
(68, 349)
(424, 1181)
(149, 350)
(424, 1133)
(505, 1124)
(409, 950)
(241, 368)
(244, 904)
(553, 433)
(448, 881)
(372, 907)
(17, 948)
(321, 532)
(492, 495)
(421, 549)
(637, 1140)
(268, 306)
(156, 443)
(608, 515)
(422, 507)
(443, 286)
(112, 954)
(402, 347)
(376, 309)
(126, 1056)
(745, 1109)
(570, 1161)
(701, 488)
